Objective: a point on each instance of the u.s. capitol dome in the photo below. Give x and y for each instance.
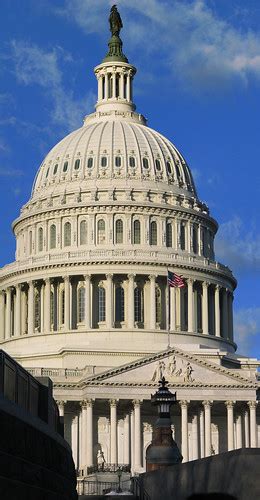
(112, 209)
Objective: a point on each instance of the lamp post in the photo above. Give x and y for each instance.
(163, 451)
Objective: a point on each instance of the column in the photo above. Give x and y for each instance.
(205, 315)
(42, 308)
(55, 306)
(152, 303)
(199, 240)
(128, 87)
(87, 278)
(2, 315)
(30, 308)
(137, 442)
(18, 311)
(217, 312)
(172, 309)
(83, 433)
(184, 430)
(99, 87)
(202, 433)
(195, 440)
(190, 306)
(207, 413)
(239, 443)
(126, 440)
(246, 427)
(114, 85)
(66, 303)
(253, 437)
(47, 306)
(230, 424)
(8, 313)
(131, 311)
(132, 431)
(109, 301)
(225, 313)
(61, 406)
(113, 431)
(89, 454)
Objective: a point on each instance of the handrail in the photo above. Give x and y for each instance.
(138, 489)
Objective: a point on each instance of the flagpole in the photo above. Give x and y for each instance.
(168, 310)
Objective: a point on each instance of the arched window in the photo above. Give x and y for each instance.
(81, 304)
(182, 237)
(132, 161)
(83, 232)
(119, 231)
(117, 84)
(145, 163)
(158, 165)
(118, 161)
(52, 307)
(169, 167)
(101, 231)
(195, 238)
(103, 87)
(47, 173)
(37, 310)
(103, 161)
(40, 239)
(139, 305)
(62, 298)
(120, 304)
(153, 233)
(158, 304)
(65, 166)
(169, 235)
(137, 232)
(77, 165)
(55, 169)
(101, 303)
(52, 236)
(90, 162)
(30, 242)
(67, 234)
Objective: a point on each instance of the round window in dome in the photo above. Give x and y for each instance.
(118, 161)
(77, 165)
(132, 161)
(104, 161)
(145, 163)
(90, 162)
(55, 169)
(169, 167)
(65, 166)
(158, 165)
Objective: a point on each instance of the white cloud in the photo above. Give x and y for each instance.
(10, 172)
(33, 65)
(238, 246)
(247, 330)
(200, 48)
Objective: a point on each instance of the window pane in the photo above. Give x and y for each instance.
(182, 237)
(101, 230)
(55, 169)
(81, 304)
(101, 304)
(158, 299)
(195, 238)
(158, 164)
(168, 234)
(138, 301)
(47, 173)
(153, 235)
(40, 239)
(120, 304)
(65, 166)
(77, 164)
(53, 236)
(83, 233)
(137, 232)
(169, 167)
(67, 234)
(119, 231)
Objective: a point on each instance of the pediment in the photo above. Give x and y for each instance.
(178, 367)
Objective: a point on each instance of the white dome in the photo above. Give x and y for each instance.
(113, 149)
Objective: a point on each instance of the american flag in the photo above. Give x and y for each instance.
(175, 281)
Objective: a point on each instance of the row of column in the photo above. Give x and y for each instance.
(202, 432)
(15, 313)
(241, 431)
(124, 88)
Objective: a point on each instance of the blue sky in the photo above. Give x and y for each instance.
(198, 83)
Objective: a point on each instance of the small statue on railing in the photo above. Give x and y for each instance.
(100, 459)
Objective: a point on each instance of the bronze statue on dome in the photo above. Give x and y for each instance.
(115, 21)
